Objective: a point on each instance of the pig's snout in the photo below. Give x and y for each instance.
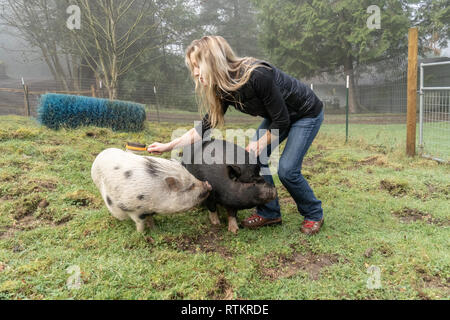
(208, 189)
(208, 186)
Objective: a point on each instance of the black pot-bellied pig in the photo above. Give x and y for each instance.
(233, 174)
(138, 187)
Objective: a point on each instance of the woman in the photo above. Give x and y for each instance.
(290, 110)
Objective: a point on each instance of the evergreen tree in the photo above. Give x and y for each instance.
(308, 37)
(235, 20)
(433, 18)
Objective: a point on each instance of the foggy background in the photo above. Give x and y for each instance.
(299, 37)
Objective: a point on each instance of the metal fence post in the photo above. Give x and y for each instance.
(421, 111)
(157, 104)
(347, 109)
(26, 99)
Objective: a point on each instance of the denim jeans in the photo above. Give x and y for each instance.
(300, 136)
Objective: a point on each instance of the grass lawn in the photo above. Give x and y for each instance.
(383, 212)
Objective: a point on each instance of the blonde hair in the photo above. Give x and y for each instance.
(223, 71)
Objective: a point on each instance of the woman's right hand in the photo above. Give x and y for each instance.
(159, 148)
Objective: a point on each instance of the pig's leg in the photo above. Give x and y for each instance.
(140, 220)
(214, 218)
(140, 225)
(213, 210)
(232, 222)
(145, 220)
(149, 222)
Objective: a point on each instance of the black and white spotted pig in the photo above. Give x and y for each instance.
(138, 187)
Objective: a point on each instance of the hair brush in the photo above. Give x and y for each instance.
(136, 146)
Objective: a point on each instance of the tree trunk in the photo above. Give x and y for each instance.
(354, 106)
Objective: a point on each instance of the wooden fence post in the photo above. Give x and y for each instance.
(93, 91)
(412, 93)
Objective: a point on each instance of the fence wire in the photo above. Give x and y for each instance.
(436, 125)
(381, 97)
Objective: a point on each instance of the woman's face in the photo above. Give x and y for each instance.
(197, 70)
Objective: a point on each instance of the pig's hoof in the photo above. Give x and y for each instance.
(232, 225)
(233, 229)
(214, 218)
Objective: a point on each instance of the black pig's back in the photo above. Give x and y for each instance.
(226, 191)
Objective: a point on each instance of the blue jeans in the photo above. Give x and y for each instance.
(300, 136)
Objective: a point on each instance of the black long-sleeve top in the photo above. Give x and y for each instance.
(273, 95)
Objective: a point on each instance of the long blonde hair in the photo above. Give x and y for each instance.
(223, 71)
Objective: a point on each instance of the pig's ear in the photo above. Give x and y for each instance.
(234, 172)
(173, 184)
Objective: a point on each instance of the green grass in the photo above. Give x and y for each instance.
(381, 208)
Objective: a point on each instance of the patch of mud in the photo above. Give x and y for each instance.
(377, 160)
(438, 189)
(28, 187)
(377, 148)
(288, 266)
(32, 212)
(26, 207)
(83, 198)
(395, 189)
(436, 282)
(207, 242)
(433, 192)
(222, 290)
(313, 160)
(97, 132)
(25, 224)
(408, 215)
(431, 282)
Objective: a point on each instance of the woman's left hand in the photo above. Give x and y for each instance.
(255, 147)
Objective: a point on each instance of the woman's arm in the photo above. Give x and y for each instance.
(258, 146)
(188, 138)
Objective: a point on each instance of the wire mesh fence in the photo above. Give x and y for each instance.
(436, 125)
(387, 98)
(434, 133)
(380, 96)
